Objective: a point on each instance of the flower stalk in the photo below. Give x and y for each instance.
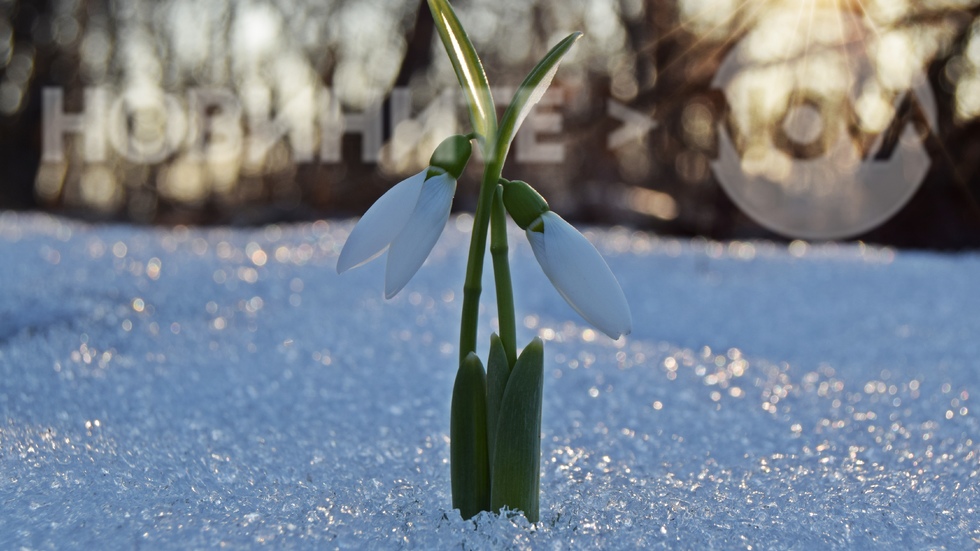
(501, 276)
(472, 284)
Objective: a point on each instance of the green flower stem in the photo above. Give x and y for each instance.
(501, 276)
(472, 286)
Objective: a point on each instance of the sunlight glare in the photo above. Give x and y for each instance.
(705, 16)
(896, 61)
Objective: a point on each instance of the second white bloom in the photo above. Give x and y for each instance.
(580, 275)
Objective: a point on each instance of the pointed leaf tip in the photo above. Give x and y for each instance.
(467, 65)
(531, 91)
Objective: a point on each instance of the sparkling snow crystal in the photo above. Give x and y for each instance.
(192, 388)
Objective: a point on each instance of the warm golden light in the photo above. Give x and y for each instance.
(294, 86)
(652, 203)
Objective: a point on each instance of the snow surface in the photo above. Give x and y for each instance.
(196, 388)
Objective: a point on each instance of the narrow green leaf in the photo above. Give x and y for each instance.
(498, 372)
(516, 461)
(468, 67)
(469, 461)
(530, 92)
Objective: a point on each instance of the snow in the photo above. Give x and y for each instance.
(196, 388)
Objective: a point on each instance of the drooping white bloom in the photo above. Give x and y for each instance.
(407, 221)
(379, 226)
(580, 275)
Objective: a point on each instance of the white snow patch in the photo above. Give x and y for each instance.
(196, 388)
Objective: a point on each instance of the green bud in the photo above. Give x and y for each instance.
(523, 203)
(452, 155)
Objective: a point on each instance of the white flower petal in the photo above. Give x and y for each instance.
(415, 241)
(381, 223)
(580, 275)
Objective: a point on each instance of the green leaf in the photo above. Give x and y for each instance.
(530, 92)
(468, 67)
(469, 462)
(516, 461)
(498, 372)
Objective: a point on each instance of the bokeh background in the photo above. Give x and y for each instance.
(649, 62)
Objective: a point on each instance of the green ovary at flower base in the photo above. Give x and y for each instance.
(495, 426)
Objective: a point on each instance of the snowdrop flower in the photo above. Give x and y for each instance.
(570, 261)
(409, 218)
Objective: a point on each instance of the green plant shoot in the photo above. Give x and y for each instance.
(495, 417)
